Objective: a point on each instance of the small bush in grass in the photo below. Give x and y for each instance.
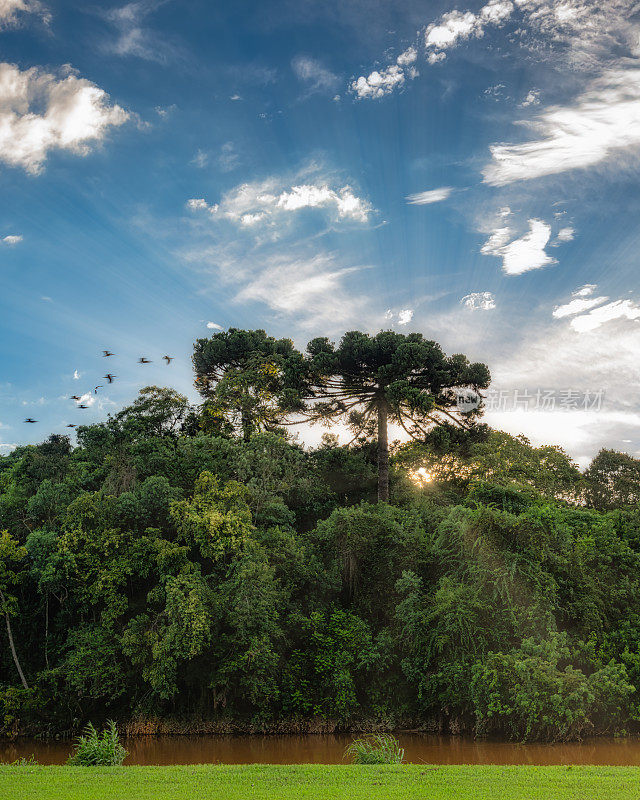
(98, 749)
(379, 748)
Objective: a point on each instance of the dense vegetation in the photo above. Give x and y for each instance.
(197, 563)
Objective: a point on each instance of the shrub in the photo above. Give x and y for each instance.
(377, 749)
(98, 749)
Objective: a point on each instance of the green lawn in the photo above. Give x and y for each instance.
(320, 782)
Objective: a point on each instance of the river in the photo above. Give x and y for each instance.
(329, 749)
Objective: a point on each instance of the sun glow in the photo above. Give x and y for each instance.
(421, 476)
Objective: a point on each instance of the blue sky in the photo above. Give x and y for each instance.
(469, 171)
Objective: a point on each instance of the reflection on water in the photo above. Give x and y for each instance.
(328, 749)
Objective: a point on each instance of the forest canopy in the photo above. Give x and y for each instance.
(194, 563)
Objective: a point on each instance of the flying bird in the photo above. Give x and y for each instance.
(109, 377)
(95, 390)
(74, 397)
(71, 426)
(168, 359)
(81, 406)
(107, 353)
(28, 419)
(144, 361)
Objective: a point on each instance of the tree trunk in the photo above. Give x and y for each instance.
(13, 647)
(383, 453)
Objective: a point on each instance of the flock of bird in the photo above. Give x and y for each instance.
(108, 377)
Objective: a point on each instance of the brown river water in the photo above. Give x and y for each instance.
(329, 749)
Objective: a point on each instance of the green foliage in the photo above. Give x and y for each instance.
(158, 569)
(379, 748)
(95, 749)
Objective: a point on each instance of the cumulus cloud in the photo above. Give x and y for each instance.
(76, 375)
(405, 316)
(522, 254)
(214, 326)
(12, 239)
(479, 301)
(430, 196)
(266, 201)
(532, 99)
(603, 123)
(41, 112)
(378, 83)
(316, 76)
(12, 10)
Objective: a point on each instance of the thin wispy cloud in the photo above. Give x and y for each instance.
(430, 196)
(14, 12)
(602, 124)
(315, 76)
(12, 239)
(134, 38)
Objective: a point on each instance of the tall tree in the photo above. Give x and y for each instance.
(11, 557)
(371, 381)
(248, 379)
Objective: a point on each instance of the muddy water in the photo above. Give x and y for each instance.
(328, 749)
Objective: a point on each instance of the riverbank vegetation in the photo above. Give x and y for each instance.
(319, 781)
(197, 564)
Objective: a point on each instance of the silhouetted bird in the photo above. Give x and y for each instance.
(144, 361)
(168, 359)
(81, 406)
(109, 377)
(95, 390)
(74, 397)
(107, 353)
(71, 426)
(28, 419)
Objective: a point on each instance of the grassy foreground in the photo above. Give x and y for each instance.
(319, 782)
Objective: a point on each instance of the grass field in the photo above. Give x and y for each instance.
(319, 782)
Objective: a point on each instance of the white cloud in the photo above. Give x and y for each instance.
(200, 204)
(40, 112)
(532, 99)
(214, 326)
(11, 10)
(618, 309)
(586, 290)
(313, 289)
(76, 375)
(523, 254)
(409, 56)
(378, 83)
(430, 196)
(603, 123)
(479, 301)
(87, 399)
(265, 201)
(12, 239)
(405, 316)
(578, 305)
(317, 77)
(565, 234)
(133, 38)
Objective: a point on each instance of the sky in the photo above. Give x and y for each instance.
(465, 170)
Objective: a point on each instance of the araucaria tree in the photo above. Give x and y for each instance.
(372, 380)
(368, 381)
